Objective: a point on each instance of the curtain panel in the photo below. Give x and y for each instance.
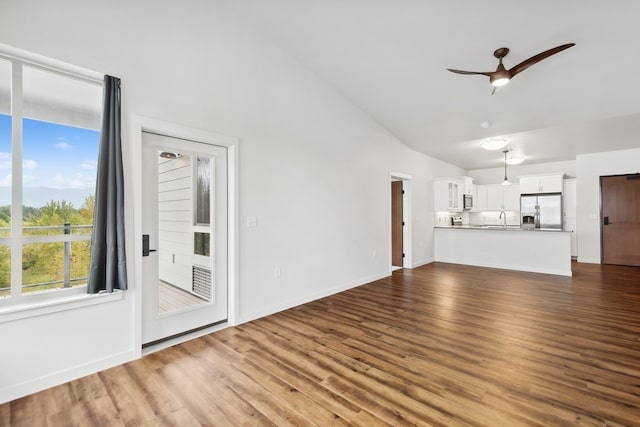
(108, 270)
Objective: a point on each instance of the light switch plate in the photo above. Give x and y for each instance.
(252, 221)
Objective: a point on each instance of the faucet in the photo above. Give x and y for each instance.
(503, 216)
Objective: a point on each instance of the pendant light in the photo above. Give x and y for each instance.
(506, 181)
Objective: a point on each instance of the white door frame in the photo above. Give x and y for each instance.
(406, 217)
(161, 127)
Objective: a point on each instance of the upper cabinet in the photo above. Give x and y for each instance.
(495, 197)
(511, 197)
(532, 184)
(480, 195)
(499, 197)
(467, 185)
(447, 195)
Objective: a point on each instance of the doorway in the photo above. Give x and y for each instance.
(400, 227)
(620, 219)
(184, 236)
(397, 224)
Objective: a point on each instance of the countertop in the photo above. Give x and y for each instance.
(499, 228)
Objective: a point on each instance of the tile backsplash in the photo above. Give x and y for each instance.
(493, 218)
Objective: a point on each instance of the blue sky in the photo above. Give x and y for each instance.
(58, 158)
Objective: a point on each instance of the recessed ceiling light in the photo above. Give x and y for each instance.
(170, 155)
(515, 160)
(494, 144)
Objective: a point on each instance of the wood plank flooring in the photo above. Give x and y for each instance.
(441, 345)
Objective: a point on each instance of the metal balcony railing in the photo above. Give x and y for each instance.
(51, 234)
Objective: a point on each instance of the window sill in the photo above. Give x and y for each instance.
(54, 305)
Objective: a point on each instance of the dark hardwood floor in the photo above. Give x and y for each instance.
(442, 345)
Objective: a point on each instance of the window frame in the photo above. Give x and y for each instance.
(19, 304)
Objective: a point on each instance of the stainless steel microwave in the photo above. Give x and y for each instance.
(467, 201)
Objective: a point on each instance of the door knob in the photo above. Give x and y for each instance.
(145, 245)
(606, 221)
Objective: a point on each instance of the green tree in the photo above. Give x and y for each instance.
(86, 210)
(57, 212)
(5, 214)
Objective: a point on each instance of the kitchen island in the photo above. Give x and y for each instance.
(512, 248)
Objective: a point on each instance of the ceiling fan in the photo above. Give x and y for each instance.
(501, 76)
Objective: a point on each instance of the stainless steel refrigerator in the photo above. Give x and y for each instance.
(546, 209)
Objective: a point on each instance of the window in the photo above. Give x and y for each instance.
(49, 137)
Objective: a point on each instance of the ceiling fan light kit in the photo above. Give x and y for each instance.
(499, 82)
(501, 76)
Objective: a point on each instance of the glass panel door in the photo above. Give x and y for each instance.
(185, 219)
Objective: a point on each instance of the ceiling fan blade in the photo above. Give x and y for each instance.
(537, 58)
(483, 73)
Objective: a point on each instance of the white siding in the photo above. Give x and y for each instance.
(175, 210)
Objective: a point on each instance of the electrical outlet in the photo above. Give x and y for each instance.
(277, 272)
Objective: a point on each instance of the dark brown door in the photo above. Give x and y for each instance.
(620, 220)
(396, 223)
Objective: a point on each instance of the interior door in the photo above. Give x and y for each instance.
(396, 224)
(620, 222)
(184, 211)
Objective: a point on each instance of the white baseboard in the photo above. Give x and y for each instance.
(38, 384)
(589, 260)
(299, 301)
(423, 262)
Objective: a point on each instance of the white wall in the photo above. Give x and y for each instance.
(496, 175)
(43, 351)
(314, 169)
(589, 168)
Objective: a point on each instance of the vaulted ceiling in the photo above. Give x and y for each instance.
(389, 58)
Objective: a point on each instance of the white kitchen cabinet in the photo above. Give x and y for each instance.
(447, 195)
(511, 194)
(532, 184)
(500, 197)
(455, 196)
(467, 185)
(494, 197)
(529, 185)
(480, 202)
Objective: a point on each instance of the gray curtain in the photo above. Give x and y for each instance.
(108, 265)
